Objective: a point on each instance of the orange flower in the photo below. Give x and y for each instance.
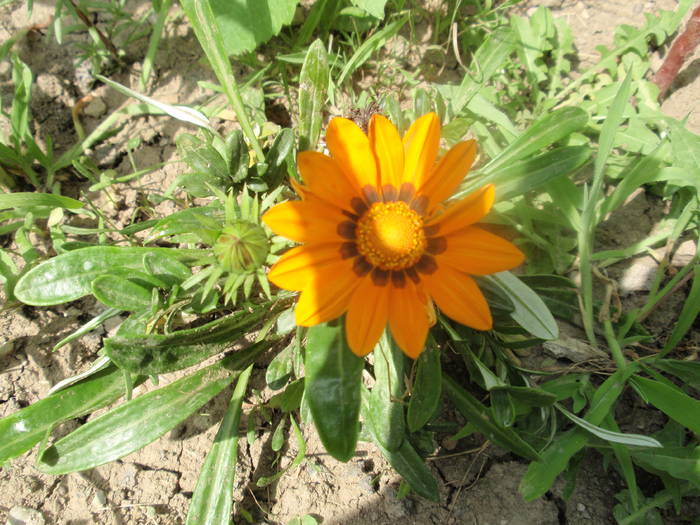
(378, 242)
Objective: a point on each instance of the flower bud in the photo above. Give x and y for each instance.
(242, 246)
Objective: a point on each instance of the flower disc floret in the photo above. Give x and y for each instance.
(390, 236)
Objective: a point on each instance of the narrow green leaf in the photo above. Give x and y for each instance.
(68, 276)
(30, 199)
(525, 175)
(369, 46)
(427, 388)
(636, 440)
(313, 86)
(478, 415)
(135, 424)
(530, 310)
(332, 390)
(385, 409)
(687, 371)
(672, 401)
(157, 354)
(25, 428)
(529, 396)
(690, 311)
(212, 498)
(301, 453)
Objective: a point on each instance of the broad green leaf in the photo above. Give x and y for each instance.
(25, 428)
(672, 401)
(280, 368)
(68, 276)
(332, 390)
(681, 463)
(530, 311)
(413, 469)
(636, 440)
(157, 354)
(138, 422)
(313, 85)
(525, 175)
(373, 7)
(290, 398)
(385, 410)
(30, 199)
(427, 388)
(245, 25)
(687, 371)
(212, 498)
(686, 149)
(541, 474)
(121, 293)
(478, 415)
(368, 47)
(165, 268)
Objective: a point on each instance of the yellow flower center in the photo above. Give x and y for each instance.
(390, 236)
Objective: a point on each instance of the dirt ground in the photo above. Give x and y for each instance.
(154, 486)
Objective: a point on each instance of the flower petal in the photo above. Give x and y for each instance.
(308, 220)
(458, 297)
(327, 296)
(465, 212)
(409, 319)
(324, 178)
(476, 251)
(301, 266)
(421, 143)
(386, 143)
(367, 316)
(350, 148)
(449, 172)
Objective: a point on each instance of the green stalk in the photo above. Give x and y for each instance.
(208, 33)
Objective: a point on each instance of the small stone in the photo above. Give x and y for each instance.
(684, 254)
(580, 507)
(24, 516)
(100, 499)
(95, 108)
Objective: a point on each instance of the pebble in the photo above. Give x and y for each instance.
(24, 516)
(95, 108)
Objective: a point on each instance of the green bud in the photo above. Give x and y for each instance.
(242, 246)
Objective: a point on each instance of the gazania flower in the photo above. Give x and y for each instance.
(379, 243)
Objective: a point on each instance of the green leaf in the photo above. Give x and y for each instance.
(427, 388)
(25, 428)
(488, 60)
(211, 501)
(301, 453)
(530, 310)
(280, 368)
(313, 85)
(138, 422)
(687, 371)
(369, 46)
(121, 293)
(245, 25)
(332, 390)
(478, 415)
(30, 199)
(68, 276)
(636, 440)
(373, 7)
(412, 468)
(290, 398)
(672, 401)
(525, 175)
(541, 474)
(535, 397)
(157, 354)
(549, 129)
(690, 311)
(385, 410)
(681, 463)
